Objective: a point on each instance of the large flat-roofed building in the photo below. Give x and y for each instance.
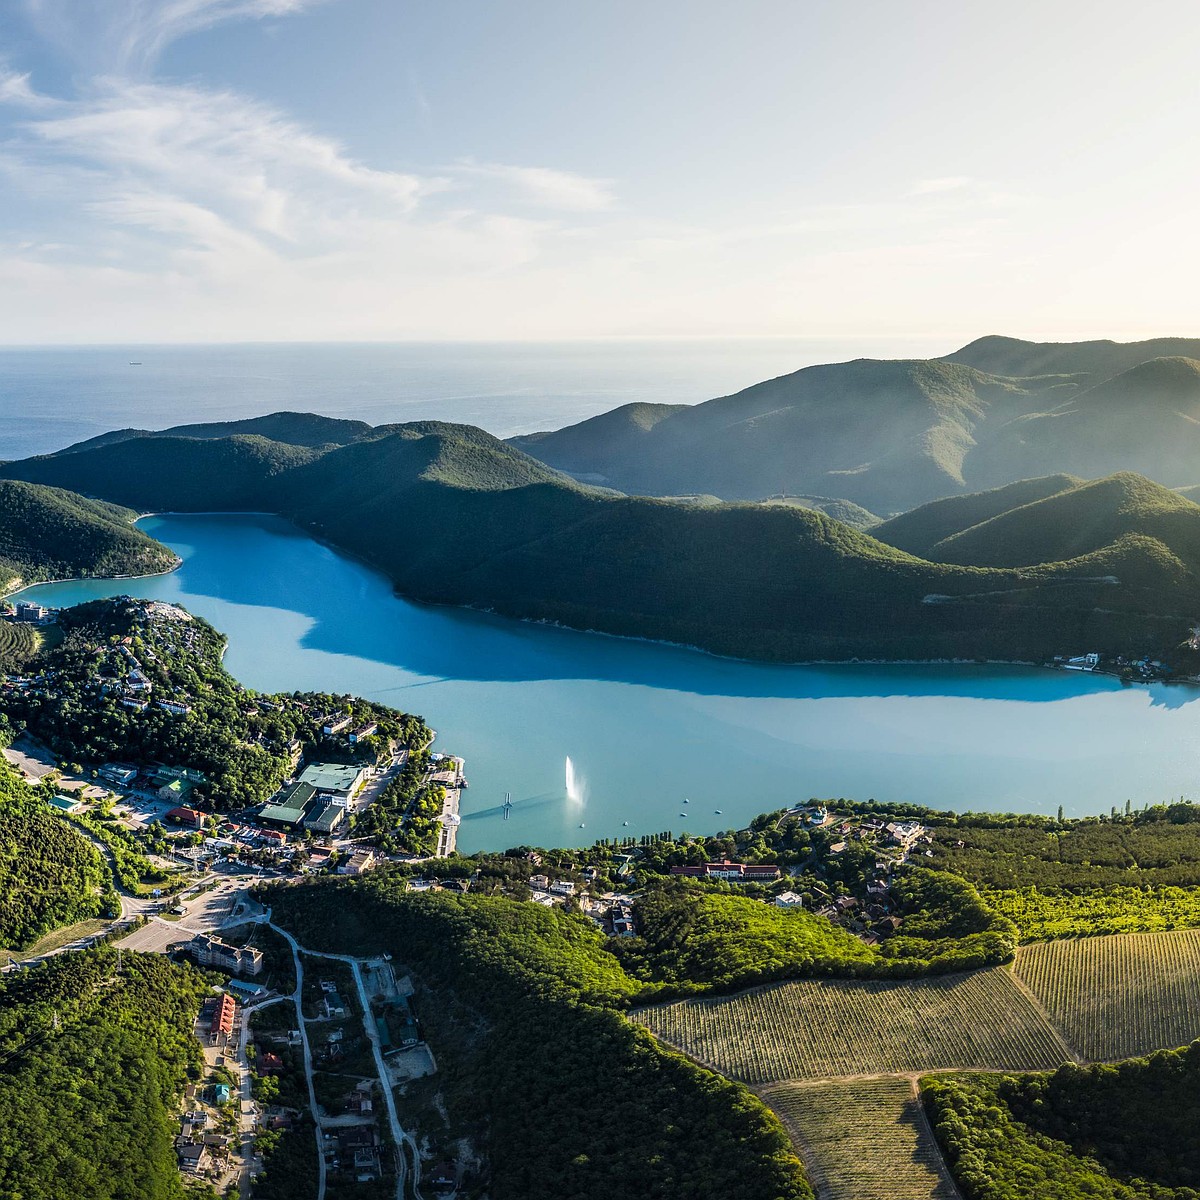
(334, 779)
(290, 807)
(122, 774)
(210, 951)
(324, 817)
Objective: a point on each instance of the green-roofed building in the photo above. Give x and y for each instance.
(290, 806)
(334, 779)
(324, 817)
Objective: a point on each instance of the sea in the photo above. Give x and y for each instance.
(52, 397)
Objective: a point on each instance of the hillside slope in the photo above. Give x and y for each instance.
(455, 516)
(876, 432)
(920, 529)
(1079, 520)
(1098, 360)
(50, 875)
(96, 1052)
(291, 428)
(1146, 420)
(598, 446)
(890, 435)
(48, 533)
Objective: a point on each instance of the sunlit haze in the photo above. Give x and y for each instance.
(217, 170)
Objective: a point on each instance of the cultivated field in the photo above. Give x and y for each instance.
(18, 644)
(863, 1139)
(814, 1029)
(1118, 996)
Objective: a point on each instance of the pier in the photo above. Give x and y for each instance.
(451, 777)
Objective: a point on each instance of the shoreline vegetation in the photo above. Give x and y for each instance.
(742, 580)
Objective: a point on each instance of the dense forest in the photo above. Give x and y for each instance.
(94, 1053)
(694, 938)
(243, 743)
(523, 1004)
(1123, 1132)
(752, 580)
(49, 874)
(1137, 870)
(893, 434)
(49, 533)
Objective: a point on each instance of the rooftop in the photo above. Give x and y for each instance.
(331, 777)
(289, 806)
(324, 818)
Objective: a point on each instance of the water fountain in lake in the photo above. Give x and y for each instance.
(575, 783)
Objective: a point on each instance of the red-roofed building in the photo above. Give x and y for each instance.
(269, 1064)
(222, 1022)
(187, 816)
(277, 836)
(731, 872)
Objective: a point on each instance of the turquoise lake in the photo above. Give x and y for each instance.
(647, 725)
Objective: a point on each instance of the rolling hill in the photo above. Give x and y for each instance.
(1097, 359)
(1073, 518)
(49, 533)
(290, 428)
(455, 516)
(920, 529)
(890, 435)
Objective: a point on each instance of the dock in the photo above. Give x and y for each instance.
(450, 818)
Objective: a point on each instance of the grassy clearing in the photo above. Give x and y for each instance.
(863, 1139)
(1119, 996)
(55, 940)
(817, 1029)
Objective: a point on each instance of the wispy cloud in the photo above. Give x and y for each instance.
(129, 35)
(15, 88)
(545, 186)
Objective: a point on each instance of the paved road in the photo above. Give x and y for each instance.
(400, 1136)
(308, 1065)
(246, 1119)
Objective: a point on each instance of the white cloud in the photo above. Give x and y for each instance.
(546, 187)
(129, 35)
(16, 89)
(241, 160)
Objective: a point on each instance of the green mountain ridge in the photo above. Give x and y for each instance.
(456, 516)
(1077, 521)
(50, 533)
(920, 529)
(891, 435)
(291, 428)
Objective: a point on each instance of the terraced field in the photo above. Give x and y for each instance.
(1118, 996)
(863, 1139)
(813, 1029)
(18, 644)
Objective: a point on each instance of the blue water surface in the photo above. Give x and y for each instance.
(647, 725)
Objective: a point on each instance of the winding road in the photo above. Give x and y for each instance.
(400, 1136)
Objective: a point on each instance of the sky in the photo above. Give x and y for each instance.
(293, 170)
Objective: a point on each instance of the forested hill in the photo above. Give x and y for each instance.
(94, 1053)
(243, 745)
(455, 516)
(50, 875)
(290, 428)
(49, 533)
(890, 435)
(522, 1004)
(1051, 520)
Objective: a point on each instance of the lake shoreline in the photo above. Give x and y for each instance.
(647, 724)
(547, 623)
